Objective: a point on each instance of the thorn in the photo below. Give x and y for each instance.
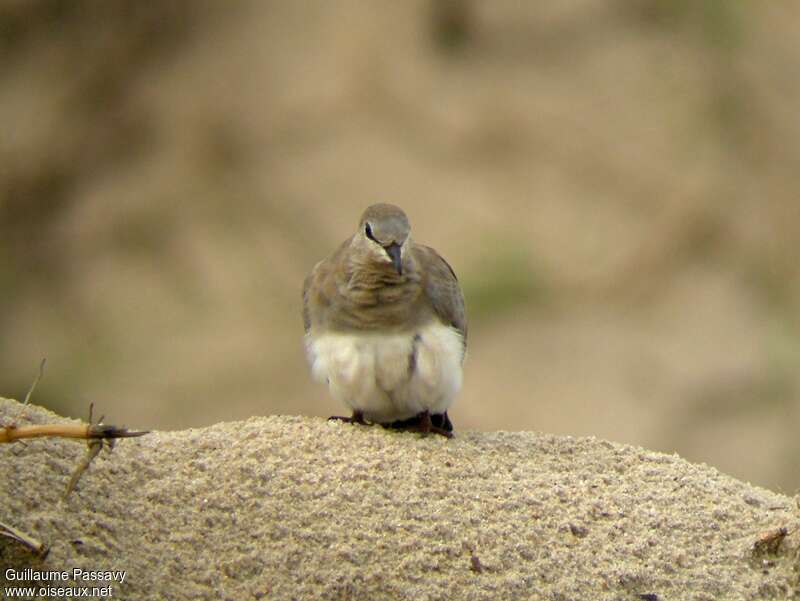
(35, 381)
(102, 431)
(94, 447)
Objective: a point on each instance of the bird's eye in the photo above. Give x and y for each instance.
(368, 232)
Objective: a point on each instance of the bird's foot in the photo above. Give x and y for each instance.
(356, 418)
(425, 424)
(442, 420)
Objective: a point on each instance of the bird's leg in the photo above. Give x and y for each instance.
(442, 420)
(356, 418)
(423, 424)
(426, 425)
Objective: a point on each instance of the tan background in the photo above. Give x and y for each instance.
(616, 184)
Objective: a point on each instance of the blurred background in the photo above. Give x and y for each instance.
(615, 182)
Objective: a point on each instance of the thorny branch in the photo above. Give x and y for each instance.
(90, 432)
(12, 432)
(97, 435)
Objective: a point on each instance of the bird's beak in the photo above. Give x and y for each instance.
(393, 250)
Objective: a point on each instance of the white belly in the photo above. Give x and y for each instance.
(390, 376)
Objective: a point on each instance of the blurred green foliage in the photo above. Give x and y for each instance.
(718, 23)
(508, 281)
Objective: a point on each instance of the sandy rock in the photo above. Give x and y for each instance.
(292, 507)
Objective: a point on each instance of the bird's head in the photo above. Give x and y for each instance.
(384, 236)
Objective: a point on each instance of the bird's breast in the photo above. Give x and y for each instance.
(430, 354)
(380, 309)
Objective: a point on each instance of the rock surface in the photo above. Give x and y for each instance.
(292, 507)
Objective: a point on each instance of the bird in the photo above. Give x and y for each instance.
(386, 326)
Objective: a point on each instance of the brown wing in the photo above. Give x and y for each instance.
(443, 290)
(317, 283)
(306, 286)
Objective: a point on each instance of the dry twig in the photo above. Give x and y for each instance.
(103, 434)
(769, 542)
(94, 448)
(95, 434)
(81, 431)
(36, 547)
(12, 432)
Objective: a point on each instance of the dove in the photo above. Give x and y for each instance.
(386, 327)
